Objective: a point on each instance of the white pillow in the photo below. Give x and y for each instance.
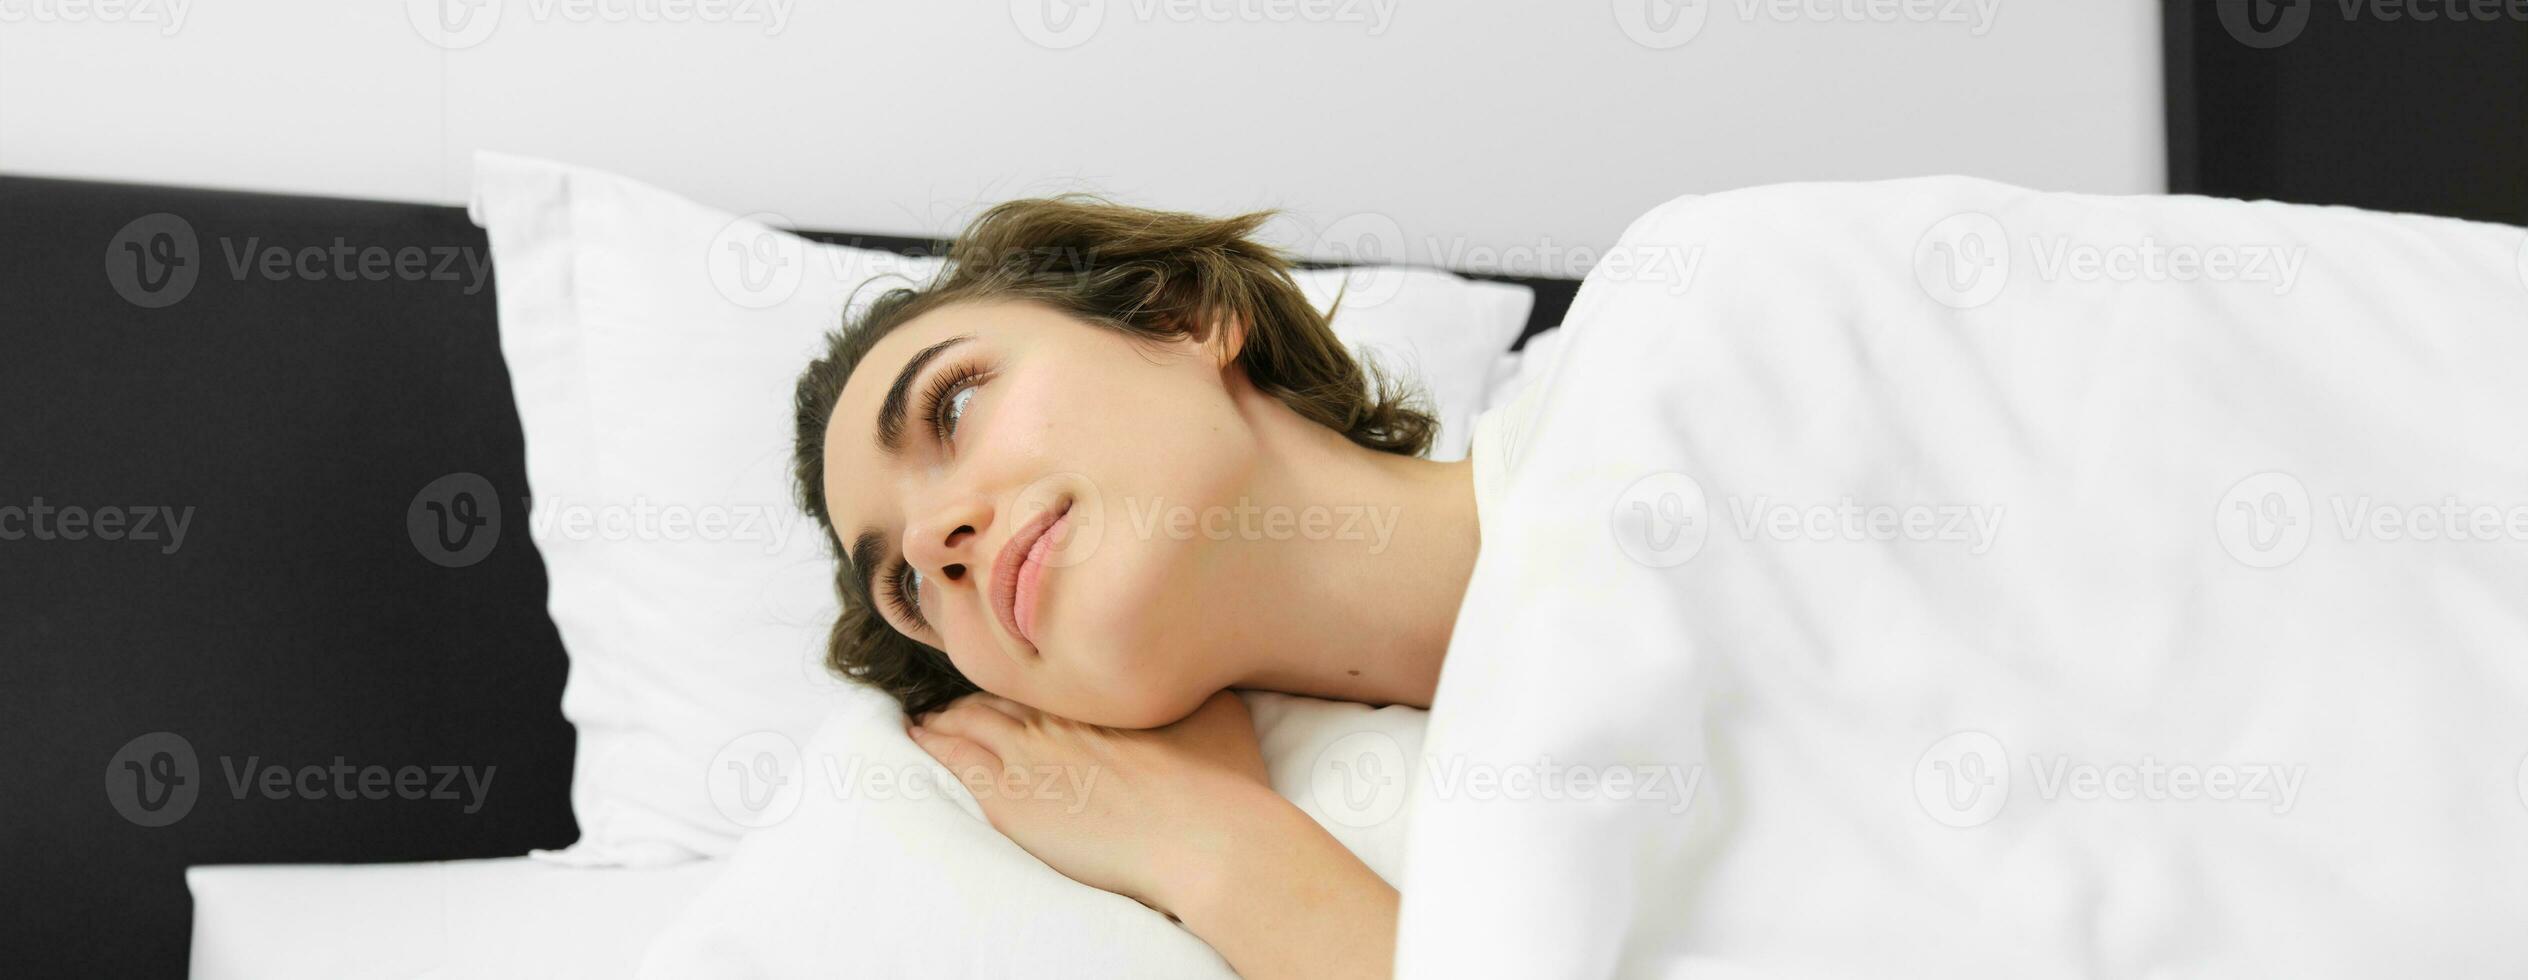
(1427, 327)
(867, 867)
(652, 343)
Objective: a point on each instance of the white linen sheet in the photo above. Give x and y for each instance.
(1998, 583)
(452, 920)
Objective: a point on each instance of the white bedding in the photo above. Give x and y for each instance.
(1921, 550)
(873, 872)
(505, 917)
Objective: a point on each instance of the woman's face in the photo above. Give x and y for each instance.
(1000, 473)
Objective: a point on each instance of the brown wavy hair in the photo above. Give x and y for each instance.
(1152, 275)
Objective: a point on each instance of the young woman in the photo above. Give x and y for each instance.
(1055, 476)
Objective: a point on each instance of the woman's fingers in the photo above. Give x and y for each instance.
(958, 754)
(971, 764)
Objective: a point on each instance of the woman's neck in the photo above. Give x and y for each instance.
(1376, 562)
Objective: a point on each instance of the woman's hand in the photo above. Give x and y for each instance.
(1144, 814)
(1180, 818)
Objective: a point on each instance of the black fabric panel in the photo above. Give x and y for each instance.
(2369, 105)
(297, 622)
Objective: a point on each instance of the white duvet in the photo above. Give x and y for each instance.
(1942, 579)
(2025, 585)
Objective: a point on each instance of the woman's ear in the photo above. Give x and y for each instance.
(1228, 338)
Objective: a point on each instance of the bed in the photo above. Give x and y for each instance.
(310, 618)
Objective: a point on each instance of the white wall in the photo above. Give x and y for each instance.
(1468, 123)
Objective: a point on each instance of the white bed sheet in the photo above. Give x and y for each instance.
(498, 917)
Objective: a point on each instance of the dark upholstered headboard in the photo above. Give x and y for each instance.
(259, 441)
(2418, 107)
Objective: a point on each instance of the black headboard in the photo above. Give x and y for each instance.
(290, 418)
(2398, 107)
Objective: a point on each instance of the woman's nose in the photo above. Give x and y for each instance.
(947, 545)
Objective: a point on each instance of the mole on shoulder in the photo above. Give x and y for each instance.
(1354, 673)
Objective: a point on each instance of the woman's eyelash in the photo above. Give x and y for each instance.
(943, 389)
(901, 595)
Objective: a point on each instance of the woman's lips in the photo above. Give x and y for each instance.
(1018, 585)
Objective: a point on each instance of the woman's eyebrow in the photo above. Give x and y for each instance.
(891, 410)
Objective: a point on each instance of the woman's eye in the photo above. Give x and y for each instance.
(908, 596)
(956, 409)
